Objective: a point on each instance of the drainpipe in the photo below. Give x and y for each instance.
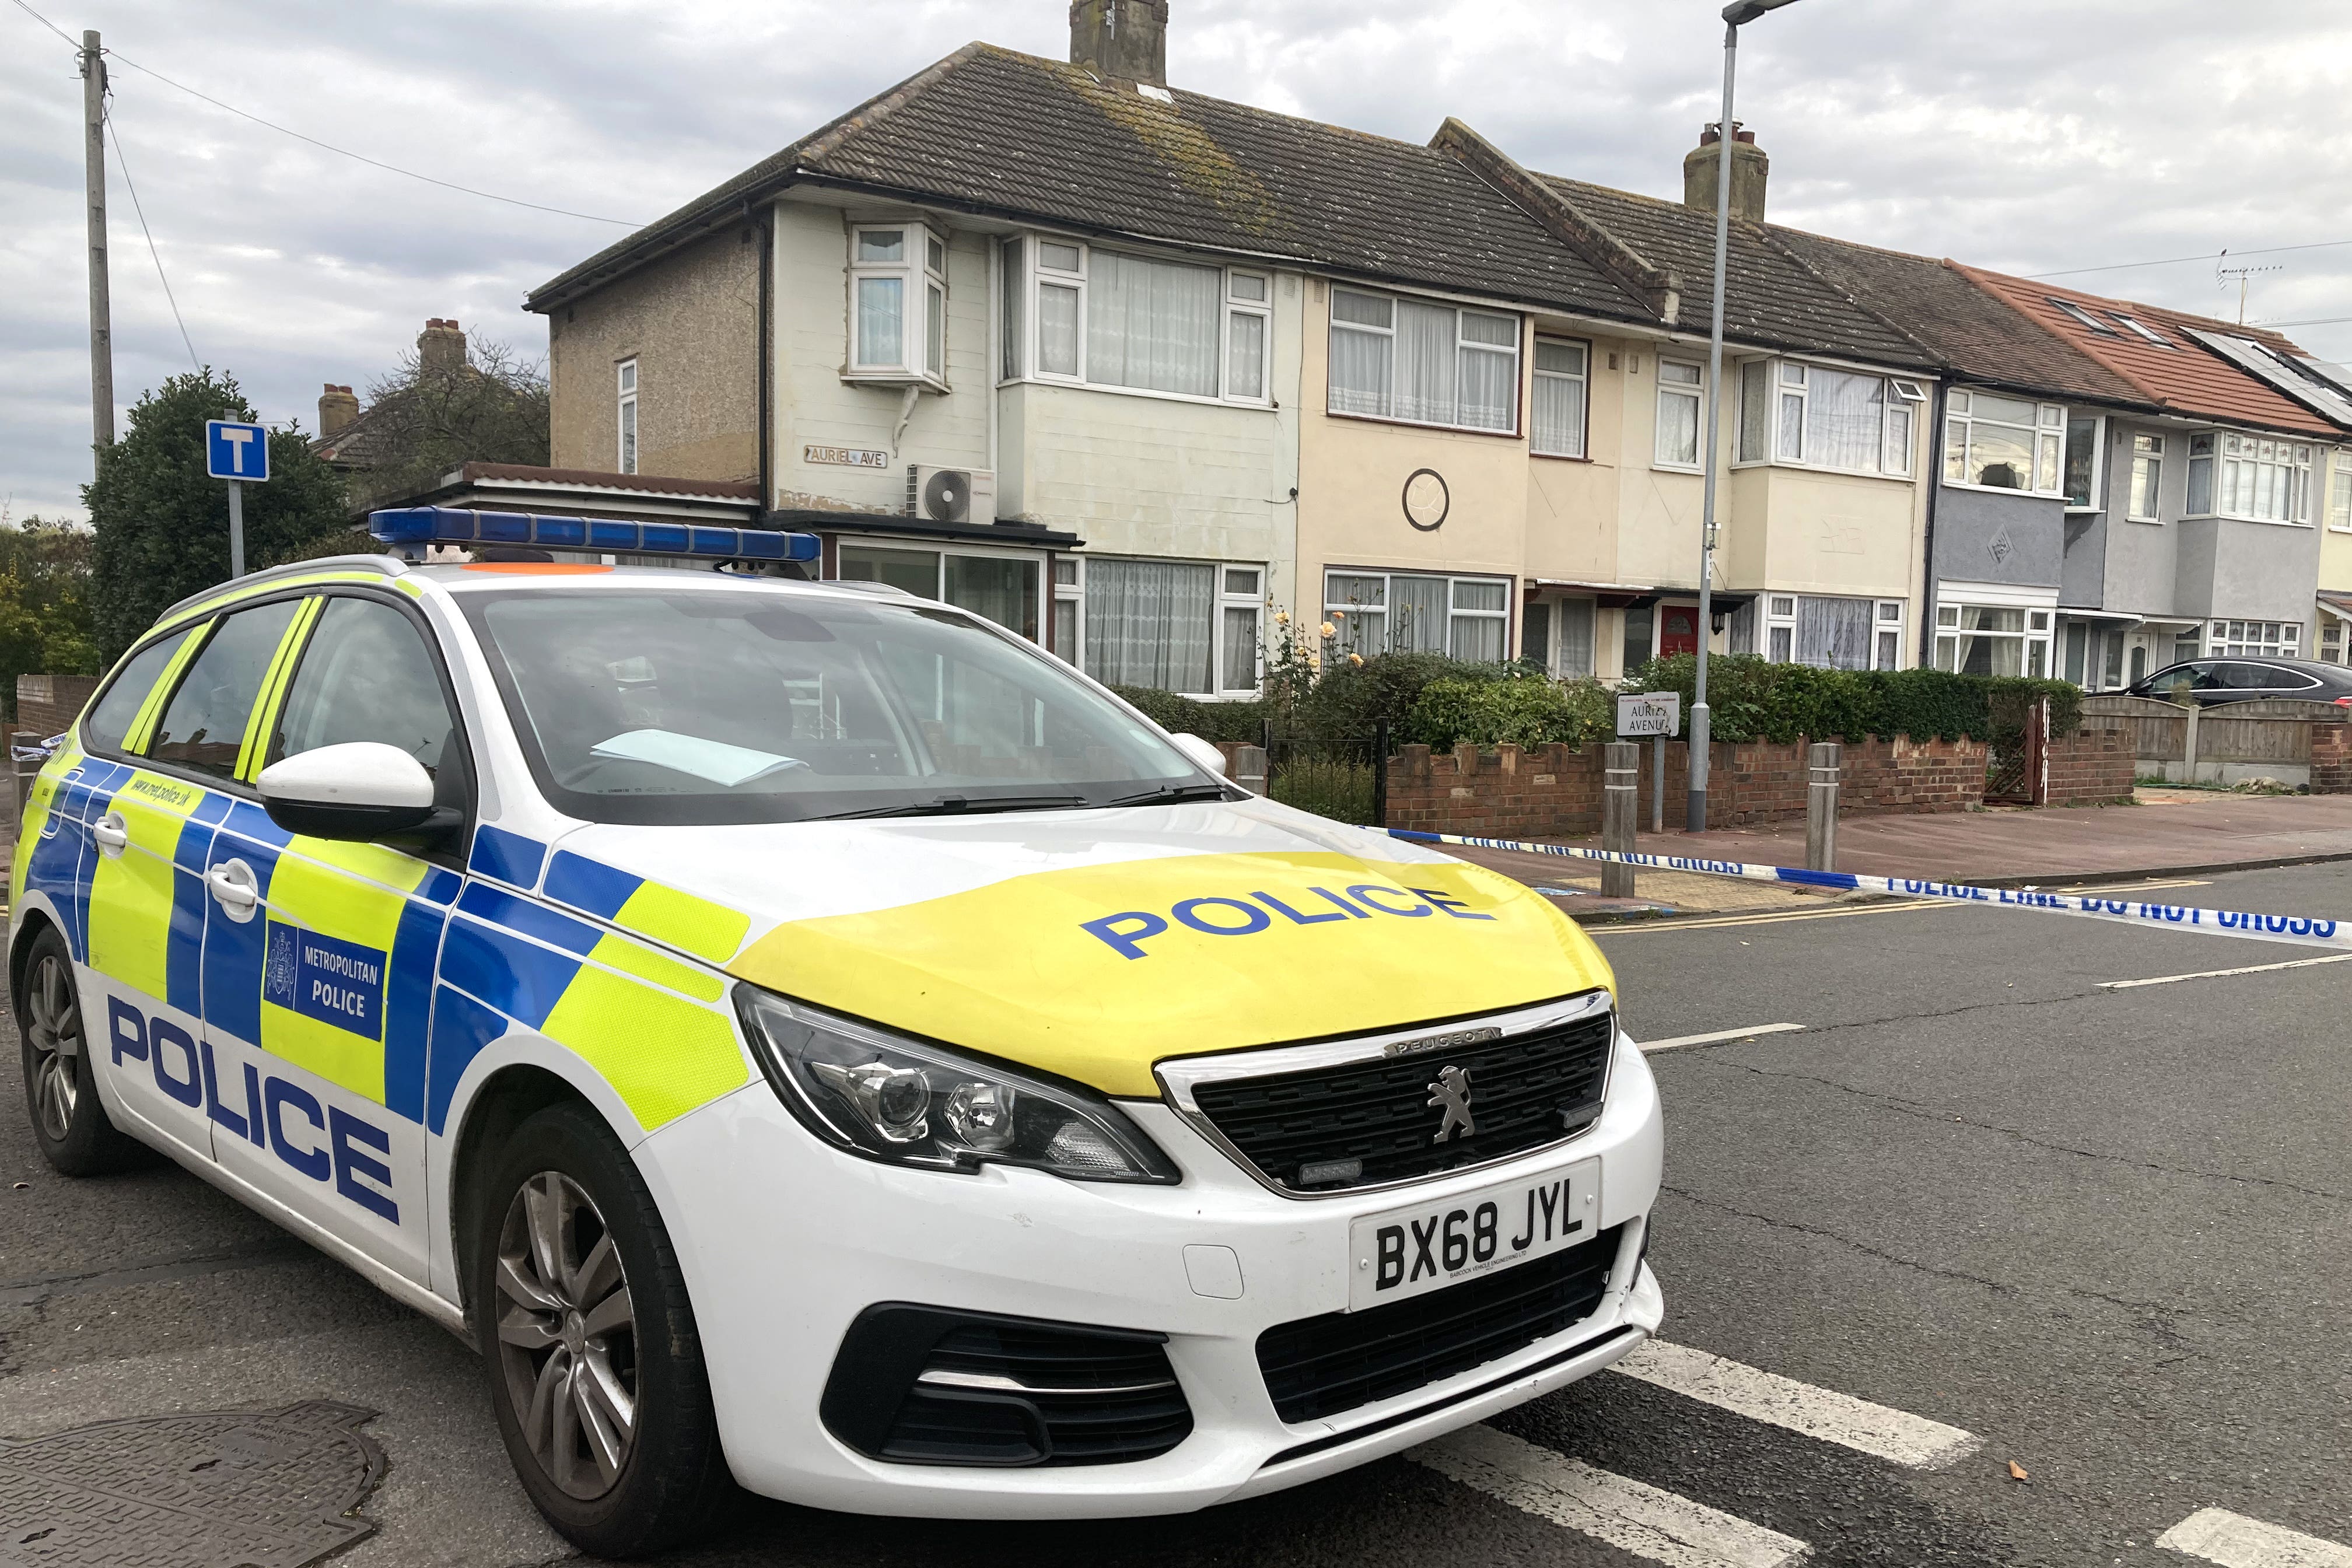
(765, 338)
(1927, 567)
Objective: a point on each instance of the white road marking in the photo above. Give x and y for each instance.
(2224, 974)
(1766, 1396)
(1720, 1035)
(2236, 1541)
(1626, 1515)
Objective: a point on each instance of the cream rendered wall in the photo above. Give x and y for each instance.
(2334, 543)
(1137, 474)
(1660, 507)
(814, 406)
(1572, 503)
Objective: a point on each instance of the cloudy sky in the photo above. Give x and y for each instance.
(2031, 136)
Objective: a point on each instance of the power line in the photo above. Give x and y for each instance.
(2182, 261)
(45, 22)
(362, 157)
(125, 165)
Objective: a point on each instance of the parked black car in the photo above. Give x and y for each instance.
(2207, 681)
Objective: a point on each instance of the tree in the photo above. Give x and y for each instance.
(424, 420)
(160, 526)
(44, 604)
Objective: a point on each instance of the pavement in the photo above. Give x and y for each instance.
(2165, 832)
(2105, 1235)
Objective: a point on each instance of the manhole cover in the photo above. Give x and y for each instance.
(212, 1489)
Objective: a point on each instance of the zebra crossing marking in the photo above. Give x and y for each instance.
(1893, 1434)
(2233, 1541)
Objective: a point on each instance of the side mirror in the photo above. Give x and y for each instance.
(1204, 752)
(362, 789)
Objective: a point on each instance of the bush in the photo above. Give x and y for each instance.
(1244, 721)
(1752, 698)
(1525, 711)
(1351, 699)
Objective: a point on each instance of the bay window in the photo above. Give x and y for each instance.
(1079, 313)
(1825, 418)
(1383, 612)
(2146, 479)
(1681, 386)
(2339, 494)
(1423, 363)
(2255, 640)
(1557, 407)
(2249, 476)
(1827, 632)
(1186, 627)
(2083, 461)
(898, 303)
(1999, 443)
(1992, 639)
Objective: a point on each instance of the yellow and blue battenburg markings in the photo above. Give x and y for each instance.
(415, 527)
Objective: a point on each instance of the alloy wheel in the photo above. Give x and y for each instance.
(567, 1335)
(54, 1033)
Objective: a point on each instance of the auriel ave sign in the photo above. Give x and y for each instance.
(1650, 713)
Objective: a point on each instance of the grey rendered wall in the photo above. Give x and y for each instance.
(2083, 578)
(2142, 557)
(2232, 570)
(1988, 536)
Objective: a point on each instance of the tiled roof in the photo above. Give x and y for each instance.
(1983, 337)
(994, 131)
(1772, 297)
(2186, 377)
(361, 443)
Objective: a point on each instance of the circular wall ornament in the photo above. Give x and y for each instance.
(1426, 499)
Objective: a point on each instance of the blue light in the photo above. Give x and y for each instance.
(451, 525)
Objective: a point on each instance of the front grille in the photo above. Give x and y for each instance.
(920, 1385)
(1321, 1366)
(1366, 1123)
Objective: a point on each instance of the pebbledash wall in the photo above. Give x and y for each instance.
(1554, 792)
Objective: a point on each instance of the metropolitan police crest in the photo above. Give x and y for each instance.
(277, 982)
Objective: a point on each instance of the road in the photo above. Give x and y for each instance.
(2106, 1231)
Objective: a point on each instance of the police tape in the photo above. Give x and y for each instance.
(2309, 933)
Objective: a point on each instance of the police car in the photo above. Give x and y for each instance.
(808, 1037)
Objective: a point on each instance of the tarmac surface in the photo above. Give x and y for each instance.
(2106, 1232)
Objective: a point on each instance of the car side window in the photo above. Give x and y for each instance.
(2210, 678)
(203, 725)
(108, 727)
(366, 675)
(2289, 680)
(2246, 677)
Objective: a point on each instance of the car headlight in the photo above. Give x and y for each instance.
(912, 1103)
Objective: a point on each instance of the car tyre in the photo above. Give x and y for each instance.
(595, 1366)
(70, 1123)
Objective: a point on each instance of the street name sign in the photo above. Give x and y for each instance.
(236, 451)
(1650, 713)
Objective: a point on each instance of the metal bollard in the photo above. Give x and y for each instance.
(1621, 809)
(1249, 768)
(1821, 807)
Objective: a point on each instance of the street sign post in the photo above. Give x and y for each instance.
(1657, 714)
(238, 452)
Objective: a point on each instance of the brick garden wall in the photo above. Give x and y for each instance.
(2331, 759)
(48, 703)
(2092, 767)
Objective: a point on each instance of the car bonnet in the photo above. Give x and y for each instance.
(1090, 943)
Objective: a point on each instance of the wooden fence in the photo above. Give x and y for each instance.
(2222, 744)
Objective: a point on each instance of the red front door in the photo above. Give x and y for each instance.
(1677, 629)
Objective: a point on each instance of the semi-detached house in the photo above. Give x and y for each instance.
(1129, 369)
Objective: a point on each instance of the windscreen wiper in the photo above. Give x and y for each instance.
(1169, 794)
(962, 805)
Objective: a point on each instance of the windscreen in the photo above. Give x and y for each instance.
(750, 705)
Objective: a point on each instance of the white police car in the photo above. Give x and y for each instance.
(810, 1036)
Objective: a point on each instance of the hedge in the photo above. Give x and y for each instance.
(1752, 698)
(1527, 710)
(1244, 721)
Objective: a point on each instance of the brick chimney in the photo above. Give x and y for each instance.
(337, 408)
(1750, 169)
(441, 348)
(1126, 39)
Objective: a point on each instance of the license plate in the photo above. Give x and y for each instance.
(1409, 1251)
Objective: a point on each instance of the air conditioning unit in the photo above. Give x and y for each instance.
(951, 495)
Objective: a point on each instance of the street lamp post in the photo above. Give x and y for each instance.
(1734, 16)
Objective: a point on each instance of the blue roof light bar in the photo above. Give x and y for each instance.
(422, 525)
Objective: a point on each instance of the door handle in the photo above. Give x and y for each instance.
(235, 888)
(114, 834)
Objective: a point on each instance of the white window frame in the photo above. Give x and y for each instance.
(1462, 345)
(1780, 627)
(2045, 436)
(1387, 608)
(922, 274)
(2035, 637)
(1024, 276)
(2147, 454)
(2098, 460)
(625, 425)
(1693, 393)
(1220, 599)
(2253, 640)
(1240, 684)
(1583, 383)
(1789, 386)
(1072, 593)
(2339, 492)
(2242, 463)
(1886, 624)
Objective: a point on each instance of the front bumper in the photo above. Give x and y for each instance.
(785, 1240)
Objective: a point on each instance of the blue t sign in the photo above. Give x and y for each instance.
(235, 451)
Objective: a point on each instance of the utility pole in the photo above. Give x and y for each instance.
(101, 327)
